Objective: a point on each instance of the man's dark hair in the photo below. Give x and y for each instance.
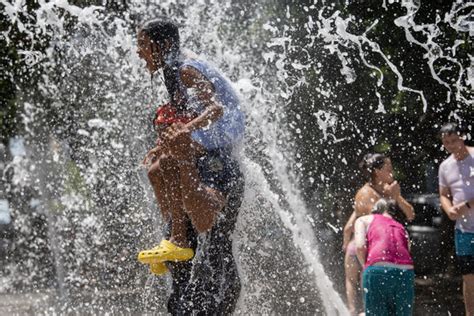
(159, 31)
(453, 128)
(371, 162)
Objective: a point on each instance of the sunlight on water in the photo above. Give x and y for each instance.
(87, 127)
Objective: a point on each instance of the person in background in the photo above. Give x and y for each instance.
(379, 171)
(382, 246)
(456, 191)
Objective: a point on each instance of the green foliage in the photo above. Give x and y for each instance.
(404, 131)
(7, 88)
(15, 73)
(382, 147)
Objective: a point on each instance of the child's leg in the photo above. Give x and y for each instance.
(159, 188)
(164, 179)
(170, 175)
(202, 203)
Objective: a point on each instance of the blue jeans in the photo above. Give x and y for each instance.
(388, 291)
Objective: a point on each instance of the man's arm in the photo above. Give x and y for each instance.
(360, 239)
(205, 92)
(447, 205)
(465, 206)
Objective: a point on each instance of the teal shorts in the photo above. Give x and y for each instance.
(464, 243)
(464, 251)
(388, 291)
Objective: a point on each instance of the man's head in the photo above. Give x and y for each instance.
(452, 136)
(158, 42)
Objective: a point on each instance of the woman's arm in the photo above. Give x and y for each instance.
(406, 208)
(393, 191)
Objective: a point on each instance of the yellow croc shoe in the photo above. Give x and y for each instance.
(165, 251)
(158, 268)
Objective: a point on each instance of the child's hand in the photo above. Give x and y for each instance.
(151, 155)
(177, 138)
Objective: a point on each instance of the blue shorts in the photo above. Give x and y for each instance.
(388, 291)
(464, 243)
(464, 251)
(219, 170)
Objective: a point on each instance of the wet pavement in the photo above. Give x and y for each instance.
(439, 295)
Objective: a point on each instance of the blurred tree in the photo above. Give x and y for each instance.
(337, 120)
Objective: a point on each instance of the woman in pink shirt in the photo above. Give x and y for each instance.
(383, 250)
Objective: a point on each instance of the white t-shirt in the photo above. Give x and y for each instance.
(458, 176)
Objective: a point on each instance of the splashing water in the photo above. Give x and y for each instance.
(84, 75)
(87, 127)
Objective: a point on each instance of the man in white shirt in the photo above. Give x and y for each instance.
(456, 190)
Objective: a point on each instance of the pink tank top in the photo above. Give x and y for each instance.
(387, 241)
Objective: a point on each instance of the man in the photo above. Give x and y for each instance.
(196, 180)
(456, 189)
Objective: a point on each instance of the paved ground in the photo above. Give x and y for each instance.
(436, 295)
(88, 303)
(439, 295)
(24, 304)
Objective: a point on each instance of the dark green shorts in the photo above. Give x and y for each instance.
(388, 291)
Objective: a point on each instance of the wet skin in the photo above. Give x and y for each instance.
(381, 185)
(171, 165)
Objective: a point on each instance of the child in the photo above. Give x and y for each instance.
(166, 115)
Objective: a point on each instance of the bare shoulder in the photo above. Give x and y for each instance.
(364, 189)
(364, 219)
(192, 78)
(364, 193)
(364, 200)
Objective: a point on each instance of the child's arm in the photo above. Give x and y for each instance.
(348, 230)
(360, 238)
(193, 79)
(152, 154)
